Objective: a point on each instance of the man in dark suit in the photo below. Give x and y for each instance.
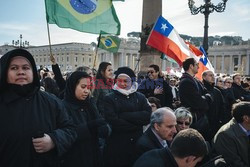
(217, 109)
(193, 95)
(187, 149)
(160, 133)
(232, 141)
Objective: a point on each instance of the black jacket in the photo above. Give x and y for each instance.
(148, 141)
(27, 112)
(217, 110)
(85, 151)
(156, 158)
(126, 115)
(90, 126)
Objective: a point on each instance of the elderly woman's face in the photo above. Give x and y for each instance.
(182, 123)
(20, 71)
(124, 82)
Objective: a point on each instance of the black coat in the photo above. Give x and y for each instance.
(240, 92)
(21, 118)
(148, 141)
(85, 151)
(27, 112)
(126, 115)
(191, 94)
(217, 110)
(156, 158)
(148, 86)
(90, 126)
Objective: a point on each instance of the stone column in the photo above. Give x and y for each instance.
(222, 63)
(239, 63)
(215, 68)
(111, 58)
(152, 9)
(248, 64)
(231, 64)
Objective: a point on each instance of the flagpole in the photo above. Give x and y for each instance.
(95, 55)
(137, 64)
(50, 49)
(96, 50)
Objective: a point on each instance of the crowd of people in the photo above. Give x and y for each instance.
(115, 119)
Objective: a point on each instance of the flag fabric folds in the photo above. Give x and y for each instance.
(166, 39)
(204, 64)
(89, 16)
(108, 42)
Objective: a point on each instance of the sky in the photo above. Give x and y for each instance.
(27, 17)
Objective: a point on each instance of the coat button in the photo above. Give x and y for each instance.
(81, 109)
(131, 139)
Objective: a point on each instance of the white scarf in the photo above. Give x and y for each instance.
(133, 89)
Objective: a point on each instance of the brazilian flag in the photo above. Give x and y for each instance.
(89, 16)
(109, 43)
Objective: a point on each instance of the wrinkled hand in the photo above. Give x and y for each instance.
(43, 144)
(158, 90)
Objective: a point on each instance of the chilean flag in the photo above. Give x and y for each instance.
(166, 39)
(204, 64)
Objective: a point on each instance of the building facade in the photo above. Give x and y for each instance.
(226, 59)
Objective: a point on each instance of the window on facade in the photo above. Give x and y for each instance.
(62, 59)
(67, 59)
(76, 59)
(44, 59)
(83, 59)
(89, 60)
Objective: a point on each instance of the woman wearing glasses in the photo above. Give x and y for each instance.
(183, 118)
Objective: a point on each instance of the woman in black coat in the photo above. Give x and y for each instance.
(126, 111)
(90, 125)
(34, 126)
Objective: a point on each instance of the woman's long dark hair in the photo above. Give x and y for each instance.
(101, 71)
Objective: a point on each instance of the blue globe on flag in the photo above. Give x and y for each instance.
(108, 42)
(84, 6)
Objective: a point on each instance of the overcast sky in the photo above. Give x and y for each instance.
(27, 17)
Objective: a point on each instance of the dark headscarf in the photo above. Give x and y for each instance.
(5, 62)
(71, 84)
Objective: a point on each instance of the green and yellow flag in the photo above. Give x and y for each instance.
(90, 16)
(109, 43)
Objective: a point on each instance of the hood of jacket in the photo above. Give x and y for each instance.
(5, 62)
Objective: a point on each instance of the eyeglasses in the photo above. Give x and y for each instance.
(229, 82)
(181, 123)
(151, 72)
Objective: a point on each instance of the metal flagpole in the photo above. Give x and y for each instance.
(96, 50)
(50, 49)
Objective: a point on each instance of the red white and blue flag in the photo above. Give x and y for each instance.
(204, 64)
(166, 39)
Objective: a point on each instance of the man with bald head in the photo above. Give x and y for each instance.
(160, 133)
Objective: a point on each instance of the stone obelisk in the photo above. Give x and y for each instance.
(152, 9)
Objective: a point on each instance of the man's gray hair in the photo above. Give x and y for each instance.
(158, 115)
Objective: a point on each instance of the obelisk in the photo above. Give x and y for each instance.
(152, 9)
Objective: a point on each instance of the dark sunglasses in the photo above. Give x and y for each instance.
(181, 123)
(151, 72)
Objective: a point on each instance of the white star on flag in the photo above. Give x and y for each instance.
(164, 26)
